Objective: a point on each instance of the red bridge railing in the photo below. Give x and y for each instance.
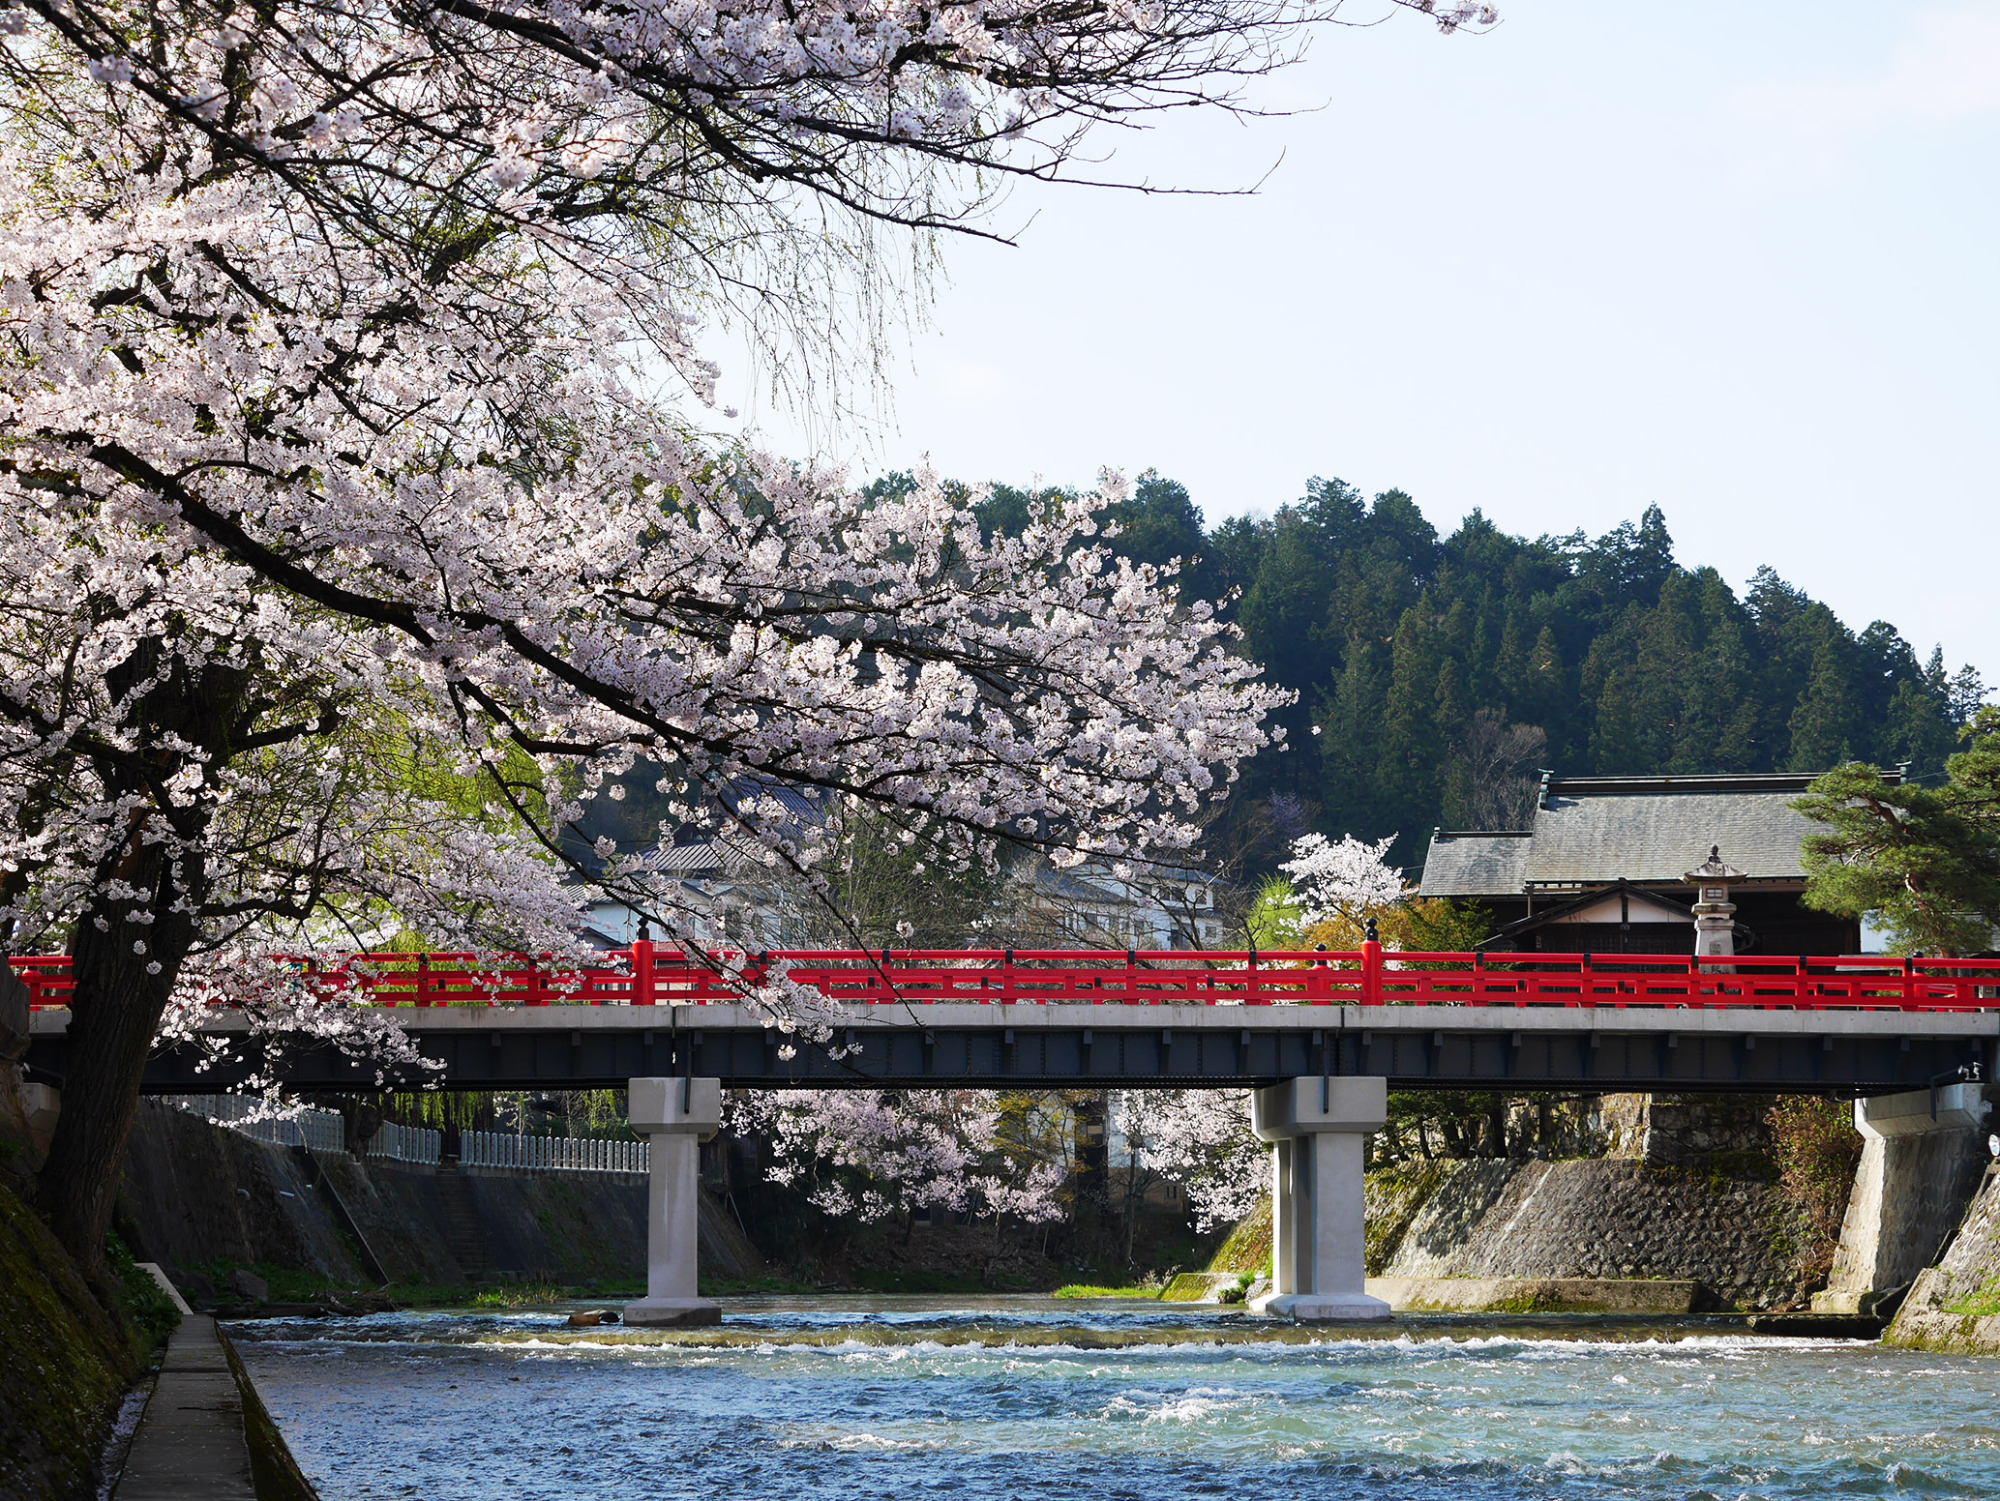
(655, 974)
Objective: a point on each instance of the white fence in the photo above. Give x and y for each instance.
(404, 1143)
(322, 1130)
(570, 1154)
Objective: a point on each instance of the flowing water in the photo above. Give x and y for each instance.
(1020, 1398)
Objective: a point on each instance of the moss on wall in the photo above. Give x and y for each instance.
(66, 1364)
(1394, 1195)
(273, 1470)
(1955, 1305)
(1248, 1247)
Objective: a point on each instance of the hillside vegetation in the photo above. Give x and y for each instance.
(1437, 673)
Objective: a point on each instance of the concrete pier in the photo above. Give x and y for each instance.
(1318, 1133)
(676, 1116)
(1917, 1173)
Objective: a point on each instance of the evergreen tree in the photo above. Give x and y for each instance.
(1158, 523)
(1412, 754)
(1416, 656)
(1926, 858)
(1822, 727)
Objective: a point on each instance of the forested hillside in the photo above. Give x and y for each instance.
(1436, 674)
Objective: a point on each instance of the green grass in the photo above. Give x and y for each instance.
(519, 1295)
(876, 1280)
(1151, 1291)
(723, 1287)
(151, 1311)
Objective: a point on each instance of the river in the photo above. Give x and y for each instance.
(1016, 1398)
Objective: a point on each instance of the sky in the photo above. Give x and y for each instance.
(1736, 260)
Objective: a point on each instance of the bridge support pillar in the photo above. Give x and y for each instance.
(675, 1116)
(1318, 1132)
(1917, 1173)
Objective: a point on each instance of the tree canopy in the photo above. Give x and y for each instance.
(1925, 858)
(1435, 674)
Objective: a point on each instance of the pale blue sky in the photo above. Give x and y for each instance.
(1734, 258)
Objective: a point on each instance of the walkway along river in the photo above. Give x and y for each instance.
(1013, 1398)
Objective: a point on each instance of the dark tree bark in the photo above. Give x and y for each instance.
(114, 1015)
(121, 993)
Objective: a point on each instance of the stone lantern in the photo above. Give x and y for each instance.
(1714, 913)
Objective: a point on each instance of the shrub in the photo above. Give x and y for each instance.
(1815, 1146)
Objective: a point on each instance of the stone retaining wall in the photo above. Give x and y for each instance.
(197, 1192)
(1692, 1131)
(1955, 1305)
(1602, 1219)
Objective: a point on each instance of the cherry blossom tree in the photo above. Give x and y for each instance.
(871, 1154)
(1334, 892)
(1341, 882)
(1198, 1138)
(347, 355)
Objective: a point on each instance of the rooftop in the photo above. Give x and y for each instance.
(1591, 831)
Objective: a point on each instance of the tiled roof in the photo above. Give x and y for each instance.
(705, 858)
(1660, 836)
(1591, 831)
(1476, 864)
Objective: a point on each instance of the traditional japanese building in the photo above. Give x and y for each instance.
(1603, 869)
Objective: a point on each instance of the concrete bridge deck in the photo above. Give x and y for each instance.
(1439, 1046)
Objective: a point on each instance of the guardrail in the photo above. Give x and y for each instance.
(653, 974)
(396, 1143)
(321, 1130)
(560, 1154)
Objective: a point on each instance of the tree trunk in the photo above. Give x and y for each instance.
(114, 1013)
(1131, 1210)
(127, 948)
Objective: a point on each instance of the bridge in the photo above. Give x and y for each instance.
(1319, 1036)
(1022, 1019)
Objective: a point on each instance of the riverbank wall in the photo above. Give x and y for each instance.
(1676, 1190)
(66, 1359)
(1596, 1220)
(66, 1365)
(1913, 1189)
(1955, 1305)
(202, 1199)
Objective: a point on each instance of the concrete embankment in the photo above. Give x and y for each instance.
(198, 1194)
(1920, 1167)
(1598, 1222)
(1955, 1305)
(1639, 1297)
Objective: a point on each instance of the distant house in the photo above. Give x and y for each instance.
(716, 884)
(1093, 905)
(716, 896)
(1600, 870)
(720, 895)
